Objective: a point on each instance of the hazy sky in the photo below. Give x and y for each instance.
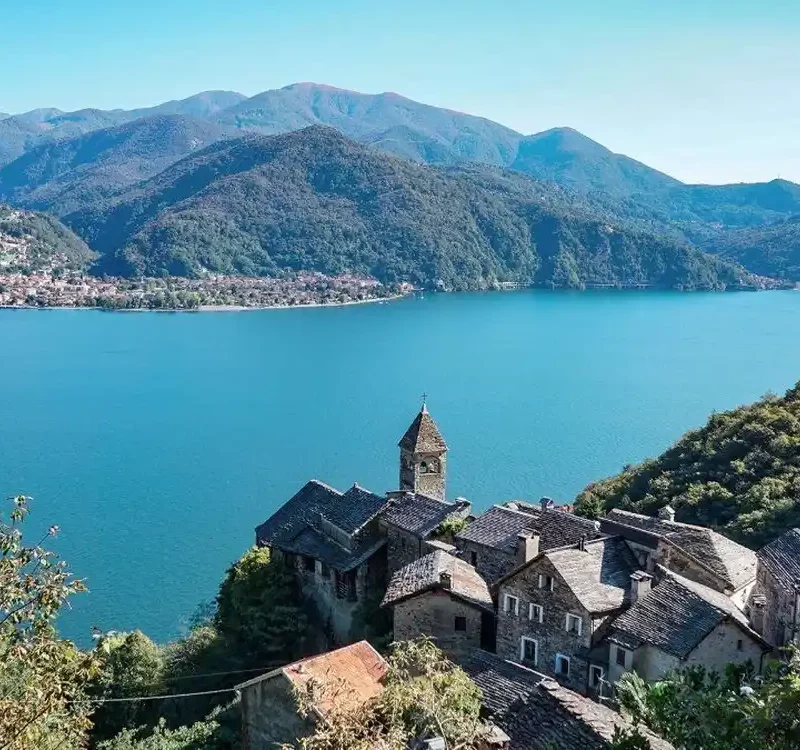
(706, 90)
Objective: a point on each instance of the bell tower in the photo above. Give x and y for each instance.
(423, 457)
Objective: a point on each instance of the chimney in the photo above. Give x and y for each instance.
(446, 580)
(640, 585)
(582, 543)
(527, 546)
(667, 513)
(546, 503)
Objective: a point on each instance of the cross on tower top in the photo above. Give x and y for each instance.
(424, 402)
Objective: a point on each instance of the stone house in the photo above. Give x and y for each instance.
(679, 623)
(695, 552)
(489, 543)
(775, 606)
(332, 541)
(347, 677)
(554, 609)
(411, 519)
(538, 713)
(441, 596)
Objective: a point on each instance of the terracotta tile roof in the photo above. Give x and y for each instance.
(423, 435)
(426, 573)
(419, 513)
(536, 712)
(299, 525)
(734, 564)
(781, 557)
(499, 527)
(348, 676)
(676, 616)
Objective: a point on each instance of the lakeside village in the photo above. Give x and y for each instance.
(543, 609)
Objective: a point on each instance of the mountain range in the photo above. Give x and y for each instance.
(85, 166)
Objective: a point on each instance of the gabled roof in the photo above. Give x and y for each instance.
(676, 616)
(298, 526)
(536, 712)
(423, 435)
(425, 575)
(350, 675)
(499, 527)
(781, 557)
(599, 575)
(420, 514)
(734, 564)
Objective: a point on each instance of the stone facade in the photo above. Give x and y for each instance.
(269, 715)
(450, 621)
(425, 473)
(491, 563)
(551, 636)
(779, 618)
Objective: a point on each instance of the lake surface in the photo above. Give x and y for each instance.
(157, 441)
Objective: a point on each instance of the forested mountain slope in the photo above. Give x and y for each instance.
(739, 473)
(313, 199)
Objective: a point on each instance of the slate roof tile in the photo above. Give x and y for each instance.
(676, 616)
(423, 435)
(734, 564)
(781, 557)
(420, 514)
(425, 575)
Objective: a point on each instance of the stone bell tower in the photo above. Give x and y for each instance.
(423, 457)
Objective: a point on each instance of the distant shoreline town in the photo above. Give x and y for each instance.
(77, 290)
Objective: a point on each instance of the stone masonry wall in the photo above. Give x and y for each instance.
(434, 613)
(721, 647)
(402, 547)
(269, 715)
(551, 634)
(676, 561)
(778, 608)
(490, 563)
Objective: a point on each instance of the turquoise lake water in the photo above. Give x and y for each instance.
(157, 441)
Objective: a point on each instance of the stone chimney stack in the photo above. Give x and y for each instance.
(446, 580)
(582, 543)
(546, 503)
(667, 513)
(640, 585)
(527, 546)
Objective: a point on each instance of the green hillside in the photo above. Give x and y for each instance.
(739, 473)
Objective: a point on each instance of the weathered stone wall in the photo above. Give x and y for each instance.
(551, 634)
(490, 563)
(652, 663)
(269, 715)
(431, 482)
(778, 608)
(721, 647)
(434, 614)
(402, 547)
(674, 560)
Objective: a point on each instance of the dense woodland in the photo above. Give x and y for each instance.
(739, 473)
(168, 190)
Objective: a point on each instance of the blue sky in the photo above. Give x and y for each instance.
(706, 90)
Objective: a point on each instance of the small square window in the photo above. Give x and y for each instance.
(326, 571)
(308, 563)
(621, 656)
(535, 613)
(546, 582)
(574, 624)
(739, 645)
(511, 604)
(596, 675)
(562, 665)
(461, 624)
(473, 559)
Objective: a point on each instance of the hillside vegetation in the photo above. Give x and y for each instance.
(740, 474)
(314, 200)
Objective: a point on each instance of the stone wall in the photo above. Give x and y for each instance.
(778, 608)
(721, 647)
(489, 562)
(402, 547)
(269, 715)
(434, 613)
(674, 560)
(551, 634)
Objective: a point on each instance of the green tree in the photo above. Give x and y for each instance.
(42, 677)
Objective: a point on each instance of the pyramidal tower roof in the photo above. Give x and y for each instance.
(423, 435)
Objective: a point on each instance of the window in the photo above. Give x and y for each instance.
(535, 612)
(562, 665)
(739, 644)
(596, 675)
(546, 582)
(511, 604)
(461, 624)
(308, 563)
(574, 624)
(622, 655)
(403, 543)
(528, 651)
(326, 571)
(423, 468)
(473, 559)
